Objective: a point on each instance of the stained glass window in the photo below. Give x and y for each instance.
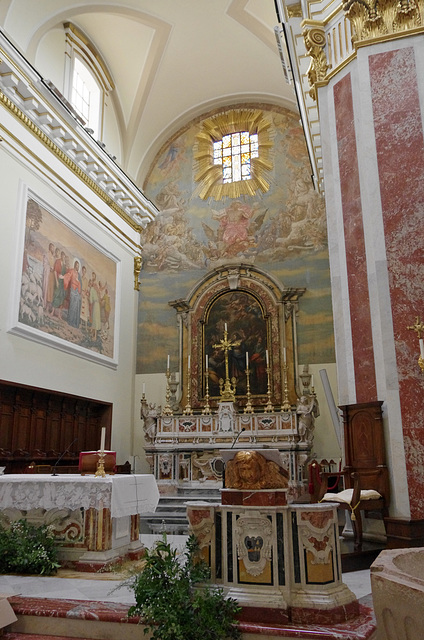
(234, 153)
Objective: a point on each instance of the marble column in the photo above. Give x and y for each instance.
(371, 121)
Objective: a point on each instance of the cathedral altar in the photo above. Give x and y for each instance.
(95, 519)
(238, 384)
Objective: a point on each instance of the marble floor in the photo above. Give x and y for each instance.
(107, 587)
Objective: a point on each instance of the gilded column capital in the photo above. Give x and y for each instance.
(378, 18)
(314, 38)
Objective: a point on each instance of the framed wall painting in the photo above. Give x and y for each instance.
(66, 285)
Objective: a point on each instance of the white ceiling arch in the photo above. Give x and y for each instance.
(170, 61)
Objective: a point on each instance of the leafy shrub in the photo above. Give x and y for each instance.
(26, 548)
(173, 601)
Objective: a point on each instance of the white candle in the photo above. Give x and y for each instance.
(312, 381)
(207, 361)
(167, 366)
(102, 439)
(247, 359)
(189, 362)
(144, 388)
(225, 326)
(267, 358)
(284, 352)
(422, 348)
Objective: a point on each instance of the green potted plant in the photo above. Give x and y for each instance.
(174, 601)
(27, 548)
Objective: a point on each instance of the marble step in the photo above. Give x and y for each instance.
(36, 636)
(51, 619)
(40, 618)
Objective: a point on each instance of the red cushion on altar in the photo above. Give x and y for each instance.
(88, 461)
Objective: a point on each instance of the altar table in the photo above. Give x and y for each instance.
(95, 519)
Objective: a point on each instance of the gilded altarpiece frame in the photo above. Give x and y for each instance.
(273, 307)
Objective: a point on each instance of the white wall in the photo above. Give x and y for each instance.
(24, 159)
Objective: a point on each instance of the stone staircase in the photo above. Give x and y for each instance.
(170, 515)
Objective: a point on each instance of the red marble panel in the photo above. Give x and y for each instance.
(400, 155)
(360, 315)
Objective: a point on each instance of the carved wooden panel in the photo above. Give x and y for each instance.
(38, 424)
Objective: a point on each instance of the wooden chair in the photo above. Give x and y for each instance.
(366, 477)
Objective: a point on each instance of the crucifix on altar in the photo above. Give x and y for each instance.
(227, 388)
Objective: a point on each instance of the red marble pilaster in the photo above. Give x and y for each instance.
(400, 156)
(360, 315)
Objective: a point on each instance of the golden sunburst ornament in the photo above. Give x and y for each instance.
(210, 175)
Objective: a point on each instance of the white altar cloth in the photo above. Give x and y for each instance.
(124, 495)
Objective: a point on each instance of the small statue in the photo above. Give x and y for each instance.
(307, 410)
(251, 470)
(149, 413)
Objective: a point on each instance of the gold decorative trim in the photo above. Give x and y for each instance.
(295, 10)
(314, 38)
(376, 18)
(209, 175)
(137, 268)
(66, 160)
(82, 38)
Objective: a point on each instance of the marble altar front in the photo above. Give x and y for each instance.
(95, 519)
(187, 451)
(281, 561)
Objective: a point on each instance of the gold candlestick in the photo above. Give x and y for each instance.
(207, 410)
(286, 406)
(167, 410)
(227, 387)
(269, 407)
(248, 408)
(188, 411)
(100, 470)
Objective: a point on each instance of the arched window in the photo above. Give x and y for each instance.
(87, 79)
(86, 95)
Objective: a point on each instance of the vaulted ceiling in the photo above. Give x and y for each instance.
(171, 60)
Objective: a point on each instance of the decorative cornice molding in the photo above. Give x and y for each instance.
(376, 18)
(28, 98)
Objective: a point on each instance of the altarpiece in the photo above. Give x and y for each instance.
(239, 383)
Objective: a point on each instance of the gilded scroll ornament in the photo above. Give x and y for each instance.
(315, 43)
(137, 269)
(377, 18)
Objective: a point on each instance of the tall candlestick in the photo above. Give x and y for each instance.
(247, 359)
(167, 366)
(267, 358)
(102, 439)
